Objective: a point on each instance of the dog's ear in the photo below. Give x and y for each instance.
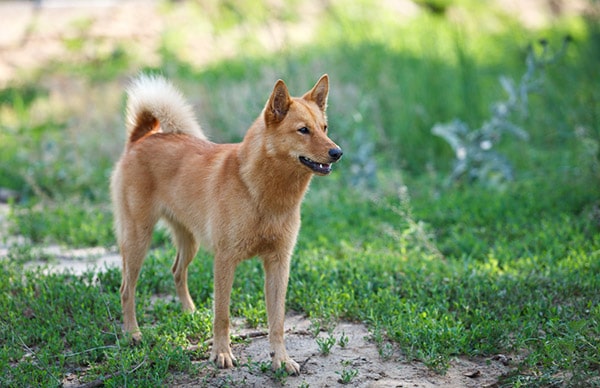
(279, 103)
(319, 92)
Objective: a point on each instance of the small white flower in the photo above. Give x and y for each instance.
(485, 145)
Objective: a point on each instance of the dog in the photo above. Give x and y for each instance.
(236, 200)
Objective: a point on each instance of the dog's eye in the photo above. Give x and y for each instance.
(304, 131)
(325, 128)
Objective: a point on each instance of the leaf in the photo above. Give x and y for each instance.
(453, 133)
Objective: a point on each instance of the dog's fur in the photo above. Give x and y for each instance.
(237, 200)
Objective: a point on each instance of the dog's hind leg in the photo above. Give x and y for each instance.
(186, 250)
(134, 246)
(224, 269)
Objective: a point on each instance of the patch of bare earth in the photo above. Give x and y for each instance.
(359, 354)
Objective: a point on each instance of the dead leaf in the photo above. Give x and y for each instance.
(473, 373)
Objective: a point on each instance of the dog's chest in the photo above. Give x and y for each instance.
(271, 234)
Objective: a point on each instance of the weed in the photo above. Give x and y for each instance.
(264, 366)
(475, 158)
(589, 150)
(384, 348)
(343, 340)
(76, 224)
(325, 344)
(415, 234)
(280, 375)
(23, 253)
(347, 374)
(315, 327)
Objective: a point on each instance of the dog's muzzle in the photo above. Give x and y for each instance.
(323, 168)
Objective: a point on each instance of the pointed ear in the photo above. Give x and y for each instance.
(279, 103)
(319, 92)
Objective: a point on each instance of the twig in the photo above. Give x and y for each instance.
(42, 367)
(209, 342)
(299, 332)
(90, 350)
(36, 188)
(303, 364)
(100, 381)
(252, 334)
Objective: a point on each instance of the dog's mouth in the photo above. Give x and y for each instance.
(319, 168)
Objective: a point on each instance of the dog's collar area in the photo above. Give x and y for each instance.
(320, 168)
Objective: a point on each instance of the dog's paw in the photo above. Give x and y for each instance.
(135, 338)
(223, 359)
(291, 366)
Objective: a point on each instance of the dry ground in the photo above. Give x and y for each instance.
(359, 354)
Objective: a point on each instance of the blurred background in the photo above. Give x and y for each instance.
(438, 94)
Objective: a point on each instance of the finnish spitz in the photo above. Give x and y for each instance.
(236, 200)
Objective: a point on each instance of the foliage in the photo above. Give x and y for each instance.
(75, 224)
(475, 158)
(325, 344)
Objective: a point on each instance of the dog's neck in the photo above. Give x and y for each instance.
(266, 176)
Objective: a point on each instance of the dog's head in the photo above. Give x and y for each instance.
(297, 127)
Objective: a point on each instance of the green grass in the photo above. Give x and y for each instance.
(531, 294)
(466, 270)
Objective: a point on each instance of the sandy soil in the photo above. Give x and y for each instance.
(360, 354)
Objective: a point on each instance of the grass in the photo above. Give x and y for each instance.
(531, 294)
(466, 270)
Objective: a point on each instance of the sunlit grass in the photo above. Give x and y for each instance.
(540, 303)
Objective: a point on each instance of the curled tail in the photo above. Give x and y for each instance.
(153, 103)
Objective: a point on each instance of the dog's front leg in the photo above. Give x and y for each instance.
(277, 271)
(224, 269)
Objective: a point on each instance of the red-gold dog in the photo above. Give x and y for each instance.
(237, 200)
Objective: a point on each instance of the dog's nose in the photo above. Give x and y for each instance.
(335, 153)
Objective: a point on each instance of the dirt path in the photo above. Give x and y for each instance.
(360, 355)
